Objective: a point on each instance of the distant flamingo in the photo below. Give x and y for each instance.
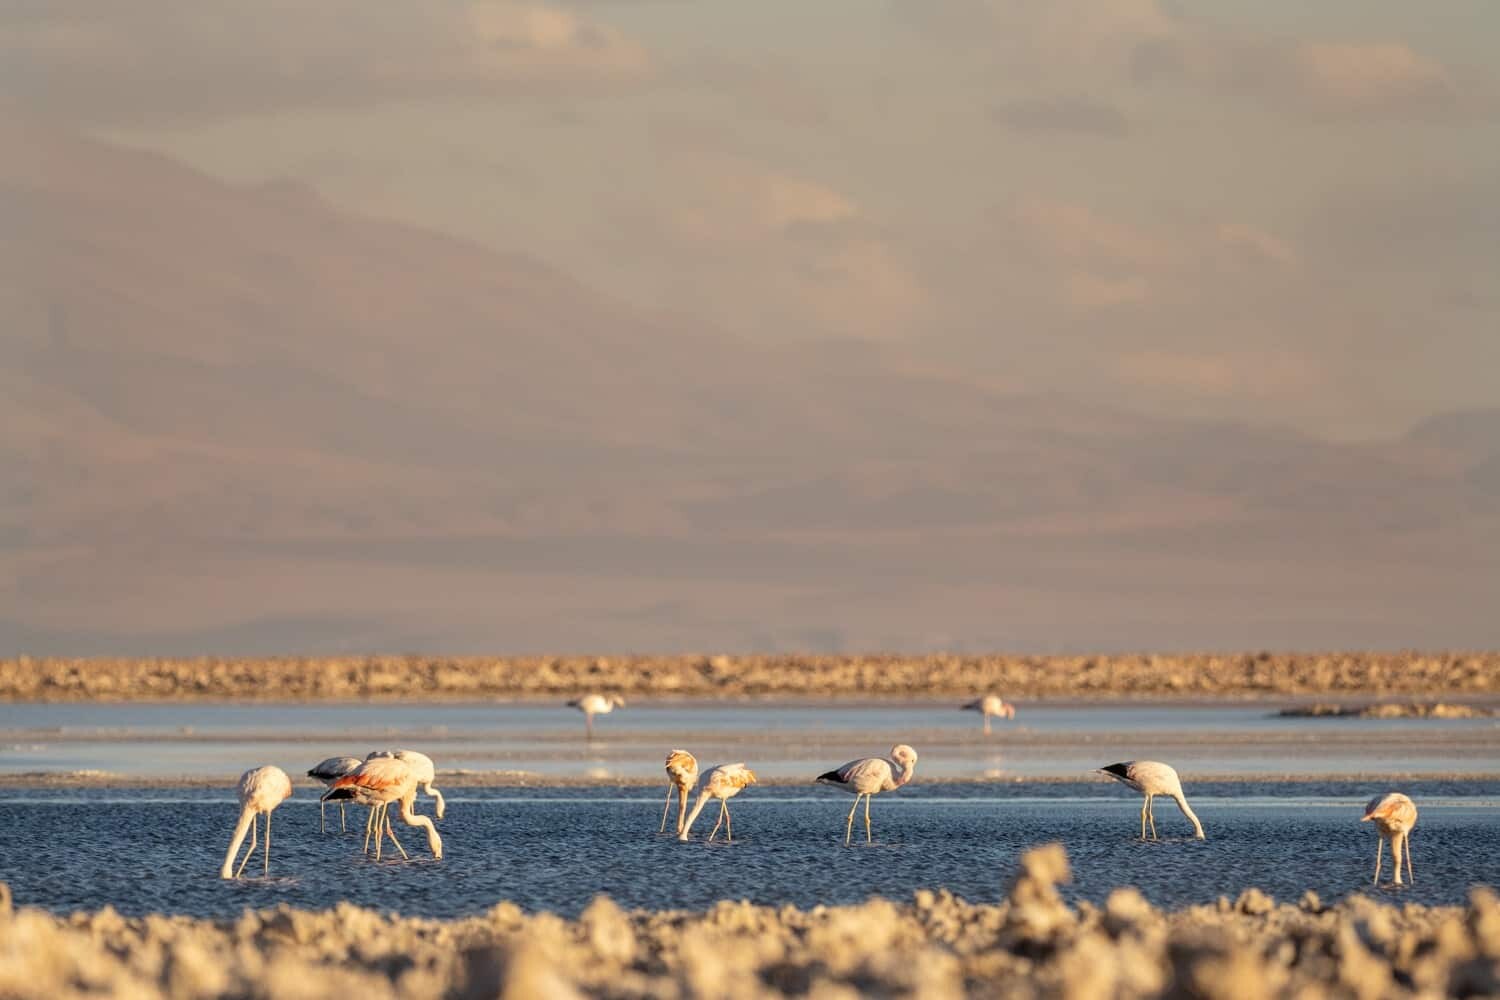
(329, 771)
(1394, 815)
(682, 775)
(377, 783)
(421, 766)
(723, 783)
(595, 704)
(870, 775)
(1152, 778)
(262, 789)
(991, 704)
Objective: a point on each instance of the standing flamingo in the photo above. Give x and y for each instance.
(329, 771)
(870, 775)
(991, 704)
(682, 775)
(1394, 815)
(377, 783)
(1152, 778)
(262, 789)
(595, 704)
(421, 766)
(723, 783)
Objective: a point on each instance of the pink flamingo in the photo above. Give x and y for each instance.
(991, 704)
(377, 783)
(262, 789)
(682, 775)
(723, 782)
(868, 776)
(1152, 778)
(1394, 815)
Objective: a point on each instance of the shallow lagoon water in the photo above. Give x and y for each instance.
(789, 740)
(143, 850)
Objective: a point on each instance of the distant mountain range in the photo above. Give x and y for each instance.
(240, 420)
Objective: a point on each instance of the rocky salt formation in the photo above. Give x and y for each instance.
(1409, 710)
(404, 677)
(1032, 945)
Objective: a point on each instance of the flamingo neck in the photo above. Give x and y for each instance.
(247, 816)
(693, 816)
(905, 774)
(1187, 811)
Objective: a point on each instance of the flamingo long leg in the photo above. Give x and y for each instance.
(869, 837)
(248, 851)
(722, 806)
(369, 823)
(986, 723)
(1151, 815)
(266, 869)
(1407, 841)
(392, 831)
(342, 827)
(665, 808)
(849, 827)
(1143, 817)
(322, 827)
(1379, 846)
(729, 821)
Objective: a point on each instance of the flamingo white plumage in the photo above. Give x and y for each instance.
(723, 782)
(1394, 815)
(378, 783)
(682, 775)
(1152, 778)
(991, 705)
(595, 704)
(261, 790)
(869, 776)
(421, 765)
(328, 771)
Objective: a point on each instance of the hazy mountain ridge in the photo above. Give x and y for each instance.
(200, 375)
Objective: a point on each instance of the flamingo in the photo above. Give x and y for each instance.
(1394, 815)
(991, 704)
(1152, 778)
(377, 783)
(870, 775)
(262, 789)
(682, 775)
(723, 783)
(421, 766)
(329, 771)
(595, 704)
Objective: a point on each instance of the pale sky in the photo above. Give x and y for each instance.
(612, 324)
(1277, 212)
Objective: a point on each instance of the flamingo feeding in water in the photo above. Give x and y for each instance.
(682, 775)
(262, 789)
(868, 776)
(329, 771)
(421, 766)
(723, 783)
(991, 704)
(1394, 815)
(377, 783)
(1152, 778)
(595, 704)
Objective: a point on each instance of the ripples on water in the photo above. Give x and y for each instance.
(554, 849)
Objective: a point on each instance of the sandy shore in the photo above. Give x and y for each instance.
(418, 677)
(936, 946)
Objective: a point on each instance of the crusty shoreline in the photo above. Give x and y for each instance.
(396, 678)
(1031, 945)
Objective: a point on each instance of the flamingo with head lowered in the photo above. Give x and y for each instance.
(869, 776)
(595, 704)
(1394, 815)
(1152, 778)
(421, 766)
(328, 771)
(682, 775)
(261, 790)
(377, 783)
(723, 782)
(991, 704)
